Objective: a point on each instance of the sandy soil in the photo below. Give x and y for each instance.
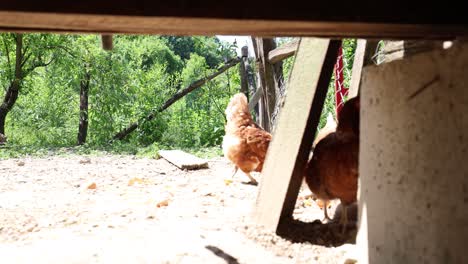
(49, 215)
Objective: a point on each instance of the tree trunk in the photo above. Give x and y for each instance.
(84, 95)
(12, 92)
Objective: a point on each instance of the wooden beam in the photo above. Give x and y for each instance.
(288, 153)
(282, 52)
(293, 10)
(115, 17)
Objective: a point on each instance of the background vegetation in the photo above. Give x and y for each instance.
(125, 84)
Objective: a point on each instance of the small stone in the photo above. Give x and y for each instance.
(163, 203)
(20, 163)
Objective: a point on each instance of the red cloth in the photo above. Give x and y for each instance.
(340, 90)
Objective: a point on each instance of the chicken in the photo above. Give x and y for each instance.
(329, 127)
(332, 173)
(245, 144)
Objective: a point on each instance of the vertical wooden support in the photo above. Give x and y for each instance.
(260, 114)
(248, 81)
(270, 79)
(107, 42)
(365, 49)
(289, 150)
(243, 72)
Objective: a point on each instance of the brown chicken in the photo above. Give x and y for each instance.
(332, 173)
(245, 144)
(329, 127)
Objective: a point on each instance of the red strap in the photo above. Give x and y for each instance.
(340, 90)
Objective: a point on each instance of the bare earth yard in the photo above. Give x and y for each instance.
(146, 211)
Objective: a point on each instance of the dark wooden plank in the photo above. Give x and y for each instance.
(288, 153)
(119, 18)
(399, 11)
(243, 72)
(282, 52)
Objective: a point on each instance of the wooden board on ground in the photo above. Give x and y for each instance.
(288, 153)
(183, 160)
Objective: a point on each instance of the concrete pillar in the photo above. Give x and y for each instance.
(413, 187)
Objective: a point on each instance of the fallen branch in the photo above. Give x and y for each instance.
(181, 93)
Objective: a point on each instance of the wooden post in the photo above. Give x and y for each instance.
(243, 72)
(270, 79)
(288, 153)
(107, 43)
(260, 113)
(365, 50)
(250, 76)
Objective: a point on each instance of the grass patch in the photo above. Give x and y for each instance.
(11, 151)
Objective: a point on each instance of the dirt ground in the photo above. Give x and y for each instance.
(148, 211)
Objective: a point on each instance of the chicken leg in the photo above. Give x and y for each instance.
(326, 218)
(325, 203)
(252, 179)
(344, 218)
(234, 172)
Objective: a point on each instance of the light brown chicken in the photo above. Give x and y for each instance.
(245, 144)
(332, 173)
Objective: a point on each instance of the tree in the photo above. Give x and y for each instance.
(84, 106)
(28, 53)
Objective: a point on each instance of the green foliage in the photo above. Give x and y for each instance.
(126, 84)
(198, 119)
